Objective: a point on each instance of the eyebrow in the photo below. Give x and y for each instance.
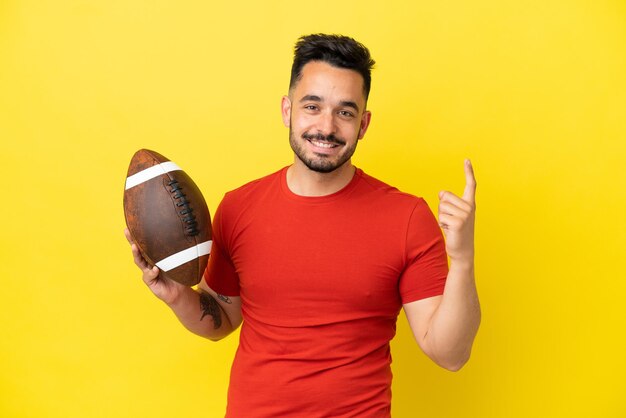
(314, 98)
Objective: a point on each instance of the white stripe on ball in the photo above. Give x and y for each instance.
(150, 173)
(185, 256)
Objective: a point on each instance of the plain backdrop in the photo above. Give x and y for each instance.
(534, 92)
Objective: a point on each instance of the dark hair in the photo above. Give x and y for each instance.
(336, 50)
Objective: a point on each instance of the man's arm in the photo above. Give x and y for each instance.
(445, 326)
(206, 313)
(201, 311)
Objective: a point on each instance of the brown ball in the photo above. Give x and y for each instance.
(167, 217)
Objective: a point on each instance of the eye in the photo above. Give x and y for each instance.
(310, 107)
(346, 114)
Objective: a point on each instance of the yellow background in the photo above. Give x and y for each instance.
(533, 91)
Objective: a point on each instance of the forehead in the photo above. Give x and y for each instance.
(324, 80)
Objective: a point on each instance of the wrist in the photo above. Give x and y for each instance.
(177, 297)
(462, 264)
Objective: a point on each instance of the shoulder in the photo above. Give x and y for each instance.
(387, 194)
(243, 200)
(252, 190)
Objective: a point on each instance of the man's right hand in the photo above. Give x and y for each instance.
(201, 311)
(165, 289)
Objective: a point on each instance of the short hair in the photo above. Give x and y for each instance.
(336, 50)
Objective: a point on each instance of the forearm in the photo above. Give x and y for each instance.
(454, 324)
(201, 314)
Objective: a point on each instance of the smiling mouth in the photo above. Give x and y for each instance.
(323, 141)
(322, 144)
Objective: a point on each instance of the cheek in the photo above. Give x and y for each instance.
(352, 130)
(301, 123)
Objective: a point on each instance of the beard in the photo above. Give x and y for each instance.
(321, 163)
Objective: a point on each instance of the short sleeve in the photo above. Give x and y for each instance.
(220, 274)
(427, 262)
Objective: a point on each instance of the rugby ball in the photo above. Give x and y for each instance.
(167, 217)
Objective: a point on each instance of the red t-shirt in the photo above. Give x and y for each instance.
(321, 280)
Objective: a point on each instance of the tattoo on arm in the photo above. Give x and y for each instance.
(210, 307)
(224, 298)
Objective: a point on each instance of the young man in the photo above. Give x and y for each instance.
(318, 258)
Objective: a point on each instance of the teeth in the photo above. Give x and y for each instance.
(323, 144)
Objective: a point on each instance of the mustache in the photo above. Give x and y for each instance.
(321, 137)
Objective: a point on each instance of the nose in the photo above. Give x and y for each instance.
(326, 123)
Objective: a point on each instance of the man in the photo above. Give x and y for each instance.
(318, 258)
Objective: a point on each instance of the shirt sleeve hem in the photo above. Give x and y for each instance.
(219, 289)
(415, 296)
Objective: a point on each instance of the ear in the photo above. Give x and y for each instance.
(365, 122)
(285, 108)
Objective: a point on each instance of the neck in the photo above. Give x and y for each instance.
(305, 182)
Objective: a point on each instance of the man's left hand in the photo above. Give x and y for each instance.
(456, 218)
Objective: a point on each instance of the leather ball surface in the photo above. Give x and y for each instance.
(167, 217)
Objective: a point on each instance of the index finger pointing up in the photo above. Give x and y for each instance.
(469, 194)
